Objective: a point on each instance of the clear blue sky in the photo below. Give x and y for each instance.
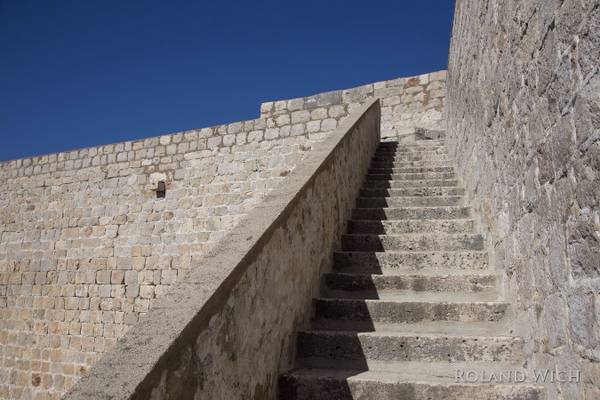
(82, 73)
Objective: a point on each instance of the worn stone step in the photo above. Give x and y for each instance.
(474, 328)
(409, 381)
(409, 183)
(414, 145)
(408, 201)
(437, 153)
(339, 349)
(424, 145)
(412, 192)
(392, 227)
(423, 296)
(411, 152)
(412, 242)
(392, 157)
(411, 176)
(411, 145)
(392, 170)
(411, 155)
(374, 286)
(407, 311)
(404, 262)
(410, 164)
(447, 212)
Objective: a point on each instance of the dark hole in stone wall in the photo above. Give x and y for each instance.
(161, 190)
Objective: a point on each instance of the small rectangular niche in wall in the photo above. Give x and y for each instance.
(161, 190)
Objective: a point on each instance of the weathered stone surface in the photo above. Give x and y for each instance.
(330, 348)
(340, 385)
(408, 105)
(523, 123)
(353, 262)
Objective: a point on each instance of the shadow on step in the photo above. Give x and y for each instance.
(353, 286)
(335, 386)
(336, 348)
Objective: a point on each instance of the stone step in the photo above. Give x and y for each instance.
(393, 227)
(412, 146)
(408, 381)
(424, 145)
(411, 157)
(406, 262)
(387, 213)
(426, 296)
(339, 349)
(412, 192)
(392, 170)
(408, 201)
(414, 150)
(411, 164)
(406, 310)
(439, 150)
(412, 242)
(475, 328)
(404, 152)
(411, 176)
(393, 184)
(375, 286)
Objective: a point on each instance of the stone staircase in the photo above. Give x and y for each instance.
(412, 301)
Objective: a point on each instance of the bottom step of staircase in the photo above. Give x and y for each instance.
(414, 381)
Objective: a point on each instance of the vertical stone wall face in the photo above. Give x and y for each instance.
(524, 125)
(86, 245)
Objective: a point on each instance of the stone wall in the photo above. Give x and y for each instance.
(227, 329)
(407, 104)
(86, 246)
(524, 125)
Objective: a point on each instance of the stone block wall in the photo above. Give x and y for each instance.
(408, 104)
(524, 125)
(86, 245)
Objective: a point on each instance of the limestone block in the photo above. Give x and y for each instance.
(266, 108)
(318, 113)
(282, 120)
(214, 142)
(357, 95)
(300, 116)
(228, 140)
(295, 104)
(329, 124)
(271, 133)
(313, 126)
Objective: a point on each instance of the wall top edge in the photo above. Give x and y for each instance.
(316, 100)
